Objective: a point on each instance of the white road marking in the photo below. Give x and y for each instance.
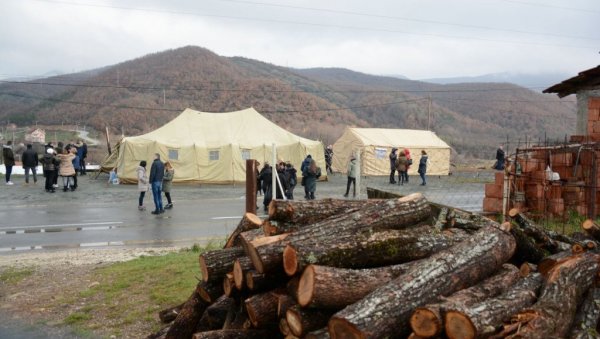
(63, 225)
(223, 218)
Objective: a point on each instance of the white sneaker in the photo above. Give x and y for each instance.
(55, 186)
(10, 183)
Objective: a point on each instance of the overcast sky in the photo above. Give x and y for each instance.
(416, 38)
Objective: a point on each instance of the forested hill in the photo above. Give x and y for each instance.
(142, 94)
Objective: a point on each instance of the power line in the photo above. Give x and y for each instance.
(535, 43)
(265, 90)
(380, 16)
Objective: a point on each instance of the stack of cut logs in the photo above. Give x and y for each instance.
(391, 268)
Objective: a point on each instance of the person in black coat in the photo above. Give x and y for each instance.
(303, 167)
(393, 158)
(9, 160)
(30, 162)
(266, 177)
(499, 158)
(292, 178)
(157, 172)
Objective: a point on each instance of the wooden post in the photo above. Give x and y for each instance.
(108, 141)
(358, 174)
(251, 186)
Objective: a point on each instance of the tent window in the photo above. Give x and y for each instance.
(245, 154)
(213, 155)
(173, 154)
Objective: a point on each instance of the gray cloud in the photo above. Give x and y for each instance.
(416, 38)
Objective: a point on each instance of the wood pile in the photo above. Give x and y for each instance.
(391, 268)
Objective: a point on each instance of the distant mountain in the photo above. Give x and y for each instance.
(142, 94)
(536, 82)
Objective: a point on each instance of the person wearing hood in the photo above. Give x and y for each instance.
(328, 159)
(423, 166)
(49, 163)
(166, 183)
(143, 185)
(401, 167)
(351, 177)
(9, 160)
(303, 167)
(409, 162)
(266, 177)
(393, 158)
(30, 162)
(312, 173)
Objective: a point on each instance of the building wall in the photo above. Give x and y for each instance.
(582, 109)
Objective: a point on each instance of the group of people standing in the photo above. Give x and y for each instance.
(401, 163)
(160, 179)
(60, 161)
(286, 175)
(65, 161)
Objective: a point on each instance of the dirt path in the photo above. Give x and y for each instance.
(31, 304)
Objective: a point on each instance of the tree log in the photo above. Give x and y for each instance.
(229, 285)
(284, 327)
(235, 334)
(322, 333)
(215, 315)
(552, 260)
(363, 248)
(303, 320)
(249, 222)
(257, 282)
(385, 214)
(591, 228)
(565, 286)
(319, 286)
(169, 314)
(526, 269)
(214, 264)
(443, 273)
(262, 308)
(483, 319)
(296, 213)
(441, 220)
(210, 291)
(240, 267)
(541, 236)
(184, 325)
(527, 250)
(585, 325)
(285, 302)
(250, 236)
(427, 321)
(240, 318)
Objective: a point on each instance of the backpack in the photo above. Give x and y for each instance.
(409, 162)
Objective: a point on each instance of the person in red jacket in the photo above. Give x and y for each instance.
(408, 163)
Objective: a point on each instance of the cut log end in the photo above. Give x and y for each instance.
(341, 328)
(588, 224)
(272, 209)
(255, 258)
(294, 321)
(505, 226)
(268, 229)
(459, 326)
(576, 249)
(306, 286)
(250, 280)
(254, 219)
(251, 315)
(513, 212)
(526, 269)
(290, 260)
(425, 323)
(203, 268)
(238, 275)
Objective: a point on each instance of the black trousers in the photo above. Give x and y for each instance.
(141, 199)
(49, 180)
(168, 195)
(393, 176)
(351, 181)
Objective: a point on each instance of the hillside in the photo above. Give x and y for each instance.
(142, 94)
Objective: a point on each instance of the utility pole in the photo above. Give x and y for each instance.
(429, 113)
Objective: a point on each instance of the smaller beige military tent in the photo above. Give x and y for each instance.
(375, 146)
(212, 147)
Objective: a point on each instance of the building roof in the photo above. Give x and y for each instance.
(588, 79)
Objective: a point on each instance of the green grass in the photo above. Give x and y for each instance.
(568, 225)
(14, 275)
(135, 290)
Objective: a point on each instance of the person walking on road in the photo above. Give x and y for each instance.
(266, 177)
(423, 167)
(311, 174)
(351, 177)
(290, 173)
(30, 162)
(303, 167)
(157, 172)
(166, 183)
(76, 166)
(393, 158)
(142, 184)
(9, 160)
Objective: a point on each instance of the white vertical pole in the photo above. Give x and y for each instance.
(358, 173)
(274, 173)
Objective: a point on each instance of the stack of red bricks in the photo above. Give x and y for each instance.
(532, 191)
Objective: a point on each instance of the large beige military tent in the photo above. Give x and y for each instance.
(375, 145)
(213, 147)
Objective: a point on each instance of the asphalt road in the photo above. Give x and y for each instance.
(97, 215)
